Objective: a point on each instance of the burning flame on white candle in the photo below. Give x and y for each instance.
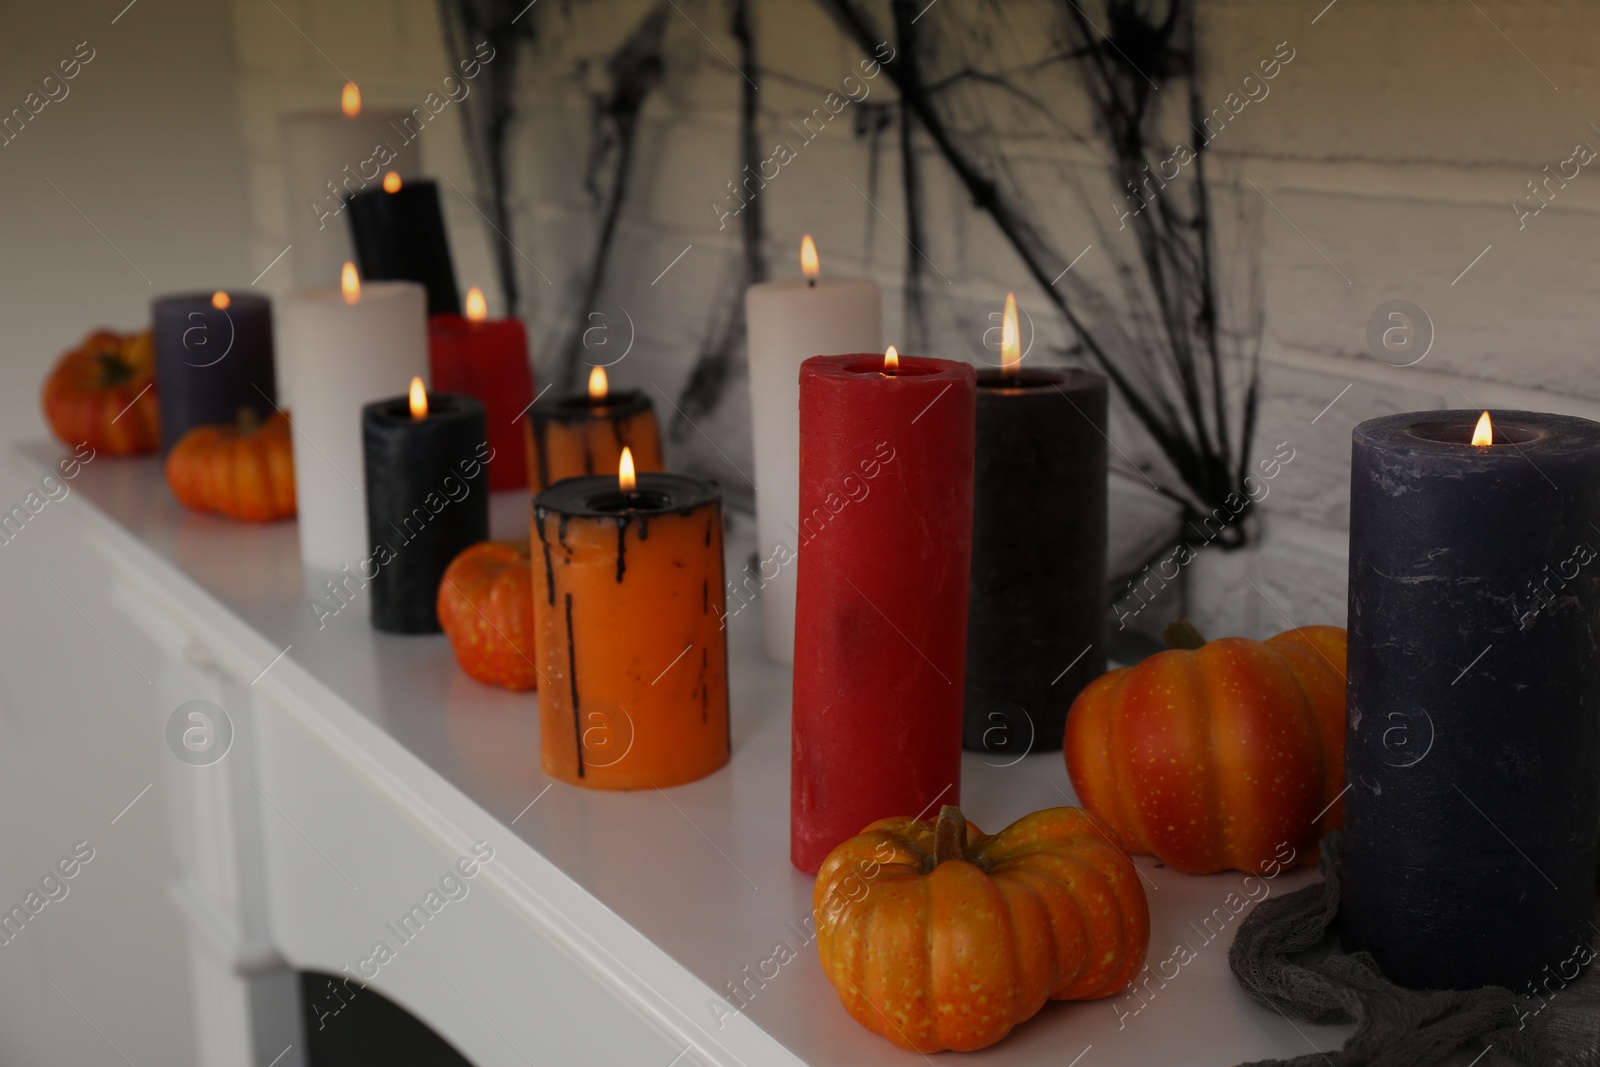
(419, 399)
(809, 263)
(626, 479)
(597, 384)
(220, 301)
(1010, 338)
(350, 284)
(477, 307)
(891, 360)
(391, 182)
(350, 100)
(1484, 434)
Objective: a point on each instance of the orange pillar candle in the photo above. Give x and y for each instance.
(627, 605)
(575, 435)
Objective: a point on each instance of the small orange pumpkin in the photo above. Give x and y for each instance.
(938, 936)
(486, 609)
(1216, 754)
(103, 393)
(244, 471)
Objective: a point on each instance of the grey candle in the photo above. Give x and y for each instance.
(1473, 735)
(213, 357)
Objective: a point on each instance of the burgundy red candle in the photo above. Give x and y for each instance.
(488, 359)
(881, 616)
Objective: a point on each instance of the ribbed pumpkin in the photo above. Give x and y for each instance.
(1214, 754)
(486, 609)
(938, 936)
(103, 392)
(244, 471)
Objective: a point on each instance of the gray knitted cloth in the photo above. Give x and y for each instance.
(1286, 956)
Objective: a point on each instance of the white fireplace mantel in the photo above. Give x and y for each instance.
(607, 928)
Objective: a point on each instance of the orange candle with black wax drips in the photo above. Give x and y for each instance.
(571, 436)
(627, 604)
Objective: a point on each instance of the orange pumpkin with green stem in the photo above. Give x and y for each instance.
(486, 609)
(244, 471)
(102, 393)
(1215, 754)
(939, 936)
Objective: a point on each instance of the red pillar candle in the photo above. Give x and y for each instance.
(488, 359)
(886, 460)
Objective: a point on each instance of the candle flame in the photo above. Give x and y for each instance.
(1010, 338)
(1484, 434)
(808, 257)
(597, 384)
(477, 307)
(219, 300)
(419, 399)
(626, 479)
(350, 284)
(891, 360)
(350, 100)
(391, 182)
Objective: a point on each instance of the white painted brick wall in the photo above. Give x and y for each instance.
(1391, 145)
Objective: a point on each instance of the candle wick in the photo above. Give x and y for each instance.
(811, 283)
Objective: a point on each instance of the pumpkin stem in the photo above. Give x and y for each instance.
(113, 370)
(248, 420)
(949, 835)
(1183, 634)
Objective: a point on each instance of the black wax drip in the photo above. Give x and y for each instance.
(549, 572)
(572, 672)
(622, 543)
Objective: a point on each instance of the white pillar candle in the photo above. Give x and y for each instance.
(333, 357)
(790, 321)
(328, 157)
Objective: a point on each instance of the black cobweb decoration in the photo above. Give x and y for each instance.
(1111, 85)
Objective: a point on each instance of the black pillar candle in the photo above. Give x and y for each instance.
(213, 357)
(427, 500)
(399, 236)
(1472, 746)
(1036, 615)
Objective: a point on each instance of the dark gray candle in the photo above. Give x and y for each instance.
(1473, 739)
(212, 360)
(400, 236)
(1035, 624)
(427, 501)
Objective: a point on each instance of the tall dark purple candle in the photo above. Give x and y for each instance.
(400, 236)
(427, 501)
(1473, 739)
(211, 361)
(1035, 624)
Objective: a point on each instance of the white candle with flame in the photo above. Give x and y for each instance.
(340, 348)
(327, 157)
(790, 321)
